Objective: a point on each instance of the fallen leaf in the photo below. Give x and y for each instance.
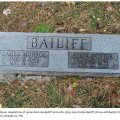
(105, 30)
(7, 11)
(60, 29)
(76, 106)
(0, 105)
(109, 8)
(34, 6)
(23, 24)
(89, 79)
(111, 86)
(68, 28)
(70, 3)
(94, 16)
(116, 103)
(69, 88)
(26, 87)
(15, 82)
(74, 85)
(12, 94)
(95, 93)
(114, 96)
(118, 100)
(19, 76)
(74, 92)
(98, 19)
(82, 29)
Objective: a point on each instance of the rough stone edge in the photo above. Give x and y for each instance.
(47, 76)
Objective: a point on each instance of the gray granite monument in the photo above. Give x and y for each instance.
(59, 54)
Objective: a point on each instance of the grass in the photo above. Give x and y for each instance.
(53, 15)
(42, 28)
(89, 93)
(67, 91)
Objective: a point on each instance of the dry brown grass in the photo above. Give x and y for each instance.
(89, 92)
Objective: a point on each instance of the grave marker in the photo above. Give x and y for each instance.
(58, 54)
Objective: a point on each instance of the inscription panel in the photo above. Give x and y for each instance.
(91, 60)
(24, 58)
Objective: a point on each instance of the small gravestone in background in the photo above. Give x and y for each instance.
(59, 54)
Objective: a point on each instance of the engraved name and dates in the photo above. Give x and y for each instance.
(93, 60)
(24, 58)
(39, 47)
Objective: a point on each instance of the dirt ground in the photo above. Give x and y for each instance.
(62, 17)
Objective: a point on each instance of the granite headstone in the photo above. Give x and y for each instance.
(59, 54)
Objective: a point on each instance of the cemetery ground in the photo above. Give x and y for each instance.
(60, 91)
